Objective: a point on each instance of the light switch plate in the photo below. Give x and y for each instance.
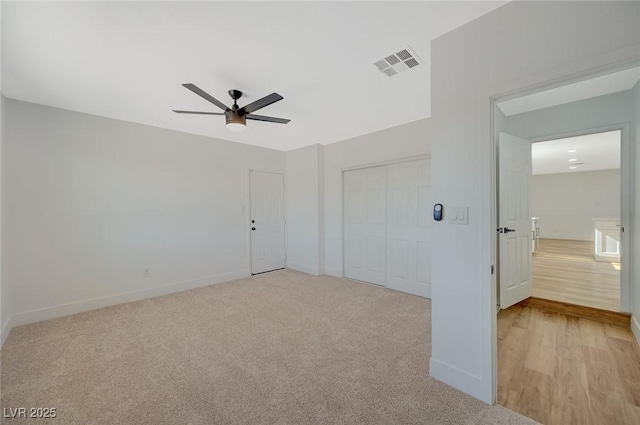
(459, 215)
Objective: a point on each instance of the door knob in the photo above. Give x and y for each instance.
(253, 228)
(506, 230)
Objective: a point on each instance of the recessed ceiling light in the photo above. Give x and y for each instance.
(572, 150)
(573, 159)
(572, 168)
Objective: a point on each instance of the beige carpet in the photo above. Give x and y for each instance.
(278, 348)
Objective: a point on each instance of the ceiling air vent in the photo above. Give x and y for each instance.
(398, 62)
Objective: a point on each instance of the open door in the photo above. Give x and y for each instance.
(514, 219)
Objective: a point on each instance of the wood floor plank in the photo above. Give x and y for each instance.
(523, 318)
(569, 341)
(537, 395)
(565, 270)
(592, 334)
(625, 354)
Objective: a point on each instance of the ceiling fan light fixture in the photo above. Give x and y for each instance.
(235, 121)
(236, 117)
(236, 127)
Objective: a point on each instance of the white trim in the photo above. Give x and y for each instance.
(387, 162)
(95, 303)
(635, 328)
(6, 330)
(305, 269)
(568, 237)
(457, 378)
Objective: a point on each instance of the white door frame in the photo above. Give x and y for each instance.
(524, 91)
(360, 167)
(248, 213)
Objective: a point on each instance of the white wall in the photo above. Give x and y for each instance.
(403, 141)
(91, 202)
(304, 209)
(566, 203)
(522, 44)
(635, 221)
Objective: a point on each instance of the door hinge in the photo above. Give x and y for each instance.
(492, 269)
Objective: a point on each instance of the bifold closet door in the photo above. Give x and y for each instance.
(365, 224)
(409, 227)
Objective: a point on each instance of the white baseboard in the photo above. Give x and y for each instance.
(302, 268)
(458, 378)
(6, 329)
(635, 328)
(95, 303)
(569, 237)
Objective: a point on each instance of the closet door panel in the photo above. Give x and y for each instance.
(409, 228)
(365, 221)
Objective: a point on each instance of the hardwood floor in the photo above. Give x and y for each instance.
(565, 270)
(563, 370)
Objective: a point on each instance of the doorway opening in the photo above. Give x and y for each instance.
(576, 219)
(550, 364)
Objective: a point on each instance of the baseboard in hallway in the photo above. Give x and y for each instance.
(6, 329)
(597, 314)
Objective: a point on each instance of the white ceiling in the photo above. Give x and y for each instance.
(127, 60)
(599, 151)
(599, 86)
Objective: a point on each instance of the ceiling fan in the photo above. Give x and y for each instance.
(235, 116)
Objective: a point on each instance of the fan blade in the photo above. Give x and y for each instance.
(198, 112)
(260, 103)
(267, 119)
(203, 94)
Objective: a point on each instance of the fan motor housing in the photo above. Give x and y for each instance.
(232, 116)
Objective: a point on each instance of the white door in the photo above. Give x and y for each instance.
(514, 219)
(267, 221)
(365, 224)
(409, 227)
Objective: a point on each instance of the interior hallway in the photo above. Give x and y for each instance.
(566, 271)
